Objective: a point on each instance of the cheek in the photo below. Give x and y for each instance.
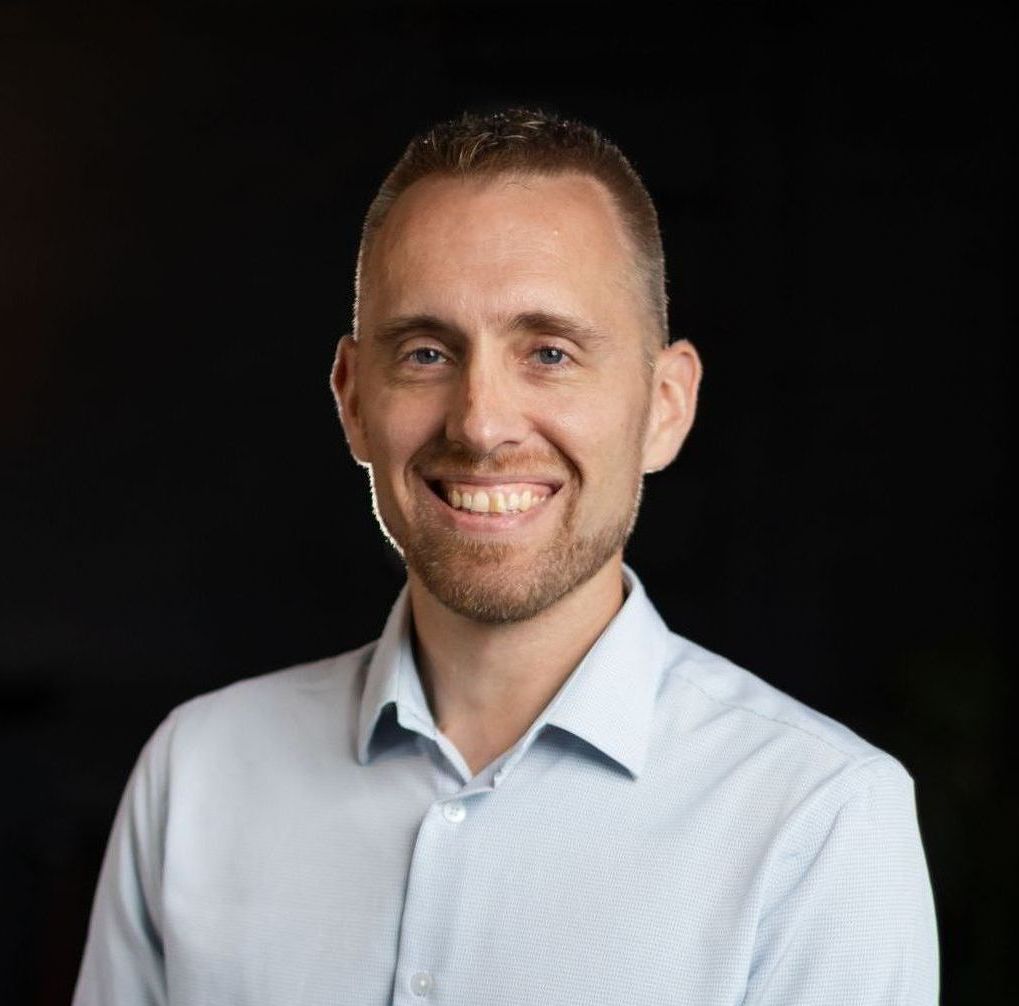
(602, 433)
(396, 430)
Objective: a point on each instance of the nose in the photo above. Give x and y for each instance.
(486, 411)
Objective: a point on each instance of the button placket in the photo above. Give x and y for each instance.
(436, 857)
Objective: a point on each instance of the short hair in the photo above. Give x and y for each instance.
(521, 141)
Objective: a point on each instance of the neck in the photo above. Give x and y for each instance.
(486, 684)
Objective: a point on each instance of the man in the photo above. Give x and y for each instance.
(528, 790)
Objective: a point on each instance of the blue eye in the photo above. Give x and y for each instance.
(551, 355)
(426, 355)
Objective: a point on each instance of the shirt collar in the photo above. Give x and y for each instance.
(607, 701)
(392, 680)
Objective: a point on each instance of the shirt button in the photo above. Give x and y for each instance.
(421, 983)
(454, 812)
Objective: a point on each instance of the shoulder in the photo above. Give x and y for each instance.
(330, 674)
(261, 713)
(721, 713)
(725, 685)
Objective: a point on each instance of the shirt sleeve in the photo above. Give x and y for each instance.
(851, 916)
(123, 961)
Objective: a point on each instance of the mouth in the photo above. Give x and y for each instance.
(489, 497)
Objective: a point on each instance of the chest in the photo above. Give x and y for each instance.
(397, 886)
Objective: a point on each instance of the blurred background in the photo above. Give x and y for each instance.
(180, 195)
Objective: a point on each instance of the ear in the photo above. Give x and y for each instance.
(348, 402)
(674, 387)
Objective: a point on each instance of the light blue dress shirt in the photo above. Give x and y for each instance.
(670, 830)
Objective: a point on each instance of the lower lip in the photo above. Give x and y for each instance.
(465, 520)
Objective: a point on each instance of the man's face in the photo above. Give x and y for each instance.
(499, 389)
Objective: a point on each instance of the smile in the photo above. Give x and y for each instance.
(491, 498)
(497, 499)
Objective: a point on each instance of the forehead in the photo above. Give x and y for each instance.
(505, 235)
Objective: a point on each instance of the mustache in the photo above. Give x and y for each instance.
(451, 457)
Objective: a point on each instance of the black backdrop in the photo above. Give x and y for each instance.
(181, 192)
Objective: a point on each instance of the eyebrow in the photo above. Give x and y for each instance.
(392, 331)
(562, 326)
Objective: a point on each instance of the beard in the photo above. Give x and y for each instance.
(499, 582)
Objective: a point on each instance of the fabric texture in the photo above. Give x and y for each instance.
(671, 829)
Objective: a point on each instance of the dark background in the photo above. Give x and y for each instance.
(180, 197)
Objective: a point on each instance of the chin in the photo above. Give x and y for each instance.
(486, 583)
(480, 599)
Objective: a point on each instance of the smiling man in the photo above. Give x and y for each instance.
(528, 790)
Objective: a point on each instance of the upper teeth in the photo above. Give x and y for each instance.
(493, 500)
